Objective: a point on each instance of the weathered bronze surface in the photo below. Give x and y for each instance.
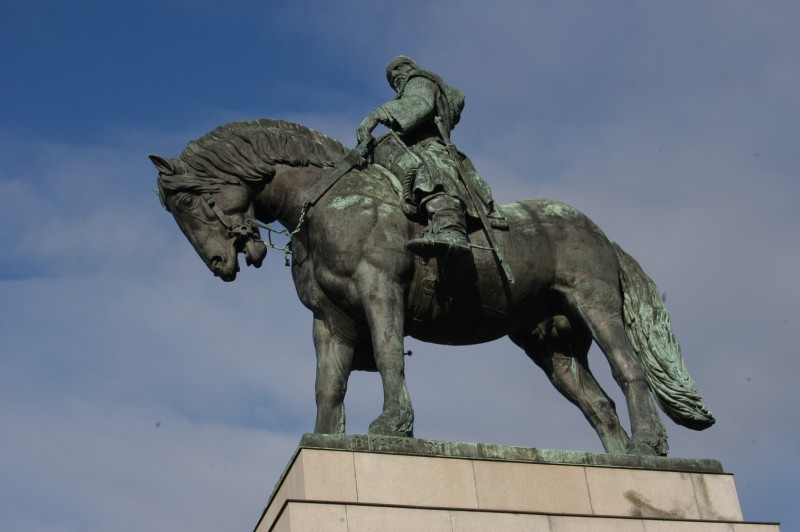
(489, 451)
(439, 183)
(349, 227)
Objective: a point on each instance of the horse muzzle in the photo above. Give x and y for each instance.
(221, 268)
(254, 252)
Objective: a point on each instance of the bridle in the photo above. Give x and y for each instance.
(244, 231)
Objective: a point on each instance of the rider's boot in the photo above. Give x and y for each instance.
(446, 235)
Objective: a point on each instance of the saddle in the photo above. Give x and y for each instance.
(388, 152)
(394, 155)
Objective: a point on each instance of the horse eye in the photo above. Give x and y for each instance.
(187, 201)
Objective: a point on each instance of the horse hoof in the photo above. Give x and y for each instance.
(645, 449)
(383, 427)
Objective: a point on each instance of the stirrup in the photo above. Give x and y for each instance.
(444, 245)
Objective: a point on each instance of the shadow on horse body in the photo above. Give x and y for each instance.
(367, 292)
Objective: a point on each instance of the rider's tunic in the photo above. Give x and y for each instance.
(412, 116)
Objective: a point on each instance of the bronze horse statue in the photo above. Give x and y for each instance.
(367, 292)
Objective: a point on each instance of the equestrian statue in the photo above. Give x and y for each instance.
(401, 237)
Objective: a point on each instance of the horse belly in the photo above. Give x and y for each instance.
(466, 331)
(469, 301)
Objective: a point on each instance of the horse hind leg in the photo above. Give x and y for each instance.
(561, 351)
(599, 305)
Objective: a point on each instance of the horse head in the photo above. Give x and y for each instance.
(215, 213)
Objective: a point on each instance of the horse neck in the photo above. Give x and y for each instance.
(282, 198)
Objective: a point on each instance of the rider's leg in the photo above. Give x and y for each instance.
(446, 235)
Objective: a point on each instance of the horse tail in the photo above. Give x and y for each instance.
(649, 330)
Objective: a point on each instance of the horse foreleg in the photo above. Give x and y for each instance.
(564, 360)
(383, 306)
(334, 361)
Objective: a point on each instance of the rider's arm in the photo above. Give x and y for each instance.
(417, 105)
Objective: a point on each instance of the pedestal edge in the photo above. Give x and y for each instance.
(491, 451)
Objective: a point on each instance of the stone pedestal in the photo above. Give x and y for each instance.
(372, 483)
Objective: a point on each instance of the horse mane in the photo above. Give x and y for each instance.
(247, 150)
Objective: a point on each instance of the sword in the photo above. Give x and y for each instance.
(473, 197)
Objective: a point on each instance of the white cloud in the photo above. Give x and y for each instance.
(673, 127)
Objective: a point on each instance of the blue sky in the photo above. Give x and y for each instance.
(137, 392)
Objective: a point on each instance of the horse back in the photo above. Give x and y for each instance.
(549, 246)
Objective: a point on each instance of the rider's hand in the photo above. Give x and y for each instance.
(366, 126)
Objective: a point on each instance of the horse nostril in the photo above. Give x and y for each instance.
(216, 262)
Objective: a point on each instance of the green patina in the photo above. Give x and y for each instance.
(341, 203)
(557, 209)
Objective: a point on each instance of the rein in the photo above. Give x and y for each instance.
(287, 249)
(321, 187)
(248, 227)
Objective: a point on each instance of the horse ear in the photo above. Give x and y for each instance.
(162, 165)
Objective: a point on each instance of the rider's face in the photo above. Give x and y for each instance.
(399, 73)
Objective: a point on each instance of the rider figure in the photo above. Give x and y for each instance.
(422, 99)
